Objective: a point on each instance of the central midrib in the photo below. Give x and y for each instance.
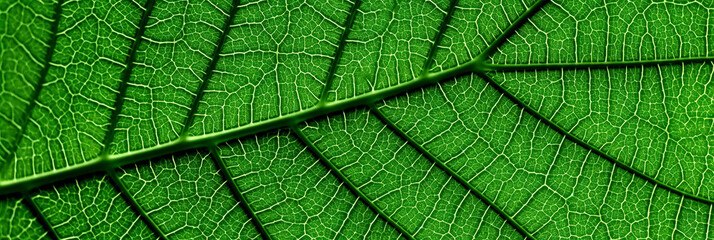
(478, 65)
(108, 162)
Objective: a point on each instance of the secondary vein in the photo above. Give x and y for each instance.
(125, 76)
(560, 130)
(338, 53)
(223, 169)
(510, 30)
(635, 63)
(119, 185)
(439, 35)
(54, 28)
(51, 232)
(210, 69)
(441, 165)
(338, 174)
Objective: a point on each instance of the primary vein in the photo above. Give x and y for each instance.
(106, 161)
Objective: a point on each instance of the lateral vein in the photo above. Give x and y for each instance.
(54, 28)
(441, 165)
(210, 69)
(551, 66)
(223, 169)
(338, 174)
(560, 130)
(439, 35)
(119, 185)
(51, 232)
(125, 76)
(338, 53)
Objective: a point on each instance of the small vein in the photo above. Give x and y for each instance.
(338, 53)
(351, 186)
(441, 165)
(210, 69)
(119, 185)
(260, 226)
(126, 74)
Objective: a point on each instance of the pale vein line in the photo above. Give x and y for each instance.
(126, 75)
(119, 185)
(51, 232)
(235, 190)
(351, 186)
(441, 165)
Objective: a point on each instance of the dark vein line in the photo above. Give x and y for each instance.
(125, 75)
(550, 66)
(54, 28)
(439, 35)
(338, 174)
(510, 30)
(587, 146)
(51, 232)
(124, 192)
(223, 169)
(338, 53)
(210, 69)
(106, 161)
(380, 115)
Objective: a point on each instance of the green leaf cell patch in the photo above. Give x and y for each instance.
(356, 119)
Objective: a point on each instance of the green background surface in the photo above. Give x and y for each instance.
(438, 119)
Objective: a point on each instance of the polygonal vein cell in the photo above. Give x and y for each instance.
(25, 34)
(185, 194)
(417, 195)
(274, 62)
(18, 222)
(295, 196)
(658, 120)
(89, 208)
(597, 31)
(545, 182)
(171, 60)
(68, 123)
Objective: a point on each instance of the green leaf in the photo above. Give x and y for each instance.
(535, 119)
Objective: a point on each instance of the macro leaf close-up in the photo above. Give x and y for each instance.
(356, 119)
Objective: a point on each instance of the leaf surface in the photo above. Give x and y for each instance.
(338, 119)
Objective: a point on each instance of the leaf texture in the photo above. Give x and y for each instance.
(439, 119)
